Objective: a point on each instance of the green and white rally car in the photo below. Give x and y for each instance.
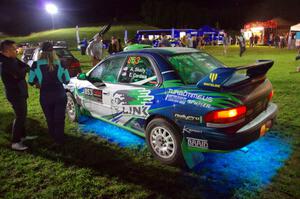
(179, 99)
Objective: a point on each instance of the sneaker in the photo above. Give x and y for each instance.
(19, 146)
(28, 138)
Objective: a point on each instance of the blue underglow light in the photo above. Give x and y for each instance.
(111, 133)
(222, 174)
(229, 172)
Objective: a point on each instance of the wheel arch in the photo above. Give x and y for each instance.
(154, 116)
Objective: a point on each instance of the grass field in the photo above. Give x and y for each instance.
(69, 34)
(91, 167)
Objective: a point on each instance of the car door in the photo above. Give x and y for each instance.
(97, 99)
(132, 98)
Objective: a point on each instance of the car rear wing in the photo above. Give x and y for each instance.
(225, 77)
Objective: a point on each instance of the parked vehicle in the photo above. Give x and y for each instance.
(179, 99)
(66, 57)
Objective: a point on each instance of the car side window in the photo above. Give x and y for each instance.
(108, 70)
(138, 70)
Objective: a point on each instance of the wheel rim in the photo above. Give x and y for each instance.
(162, 142)
(71, 108)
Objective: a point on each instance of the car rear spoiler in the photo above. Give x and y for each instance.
(226, 77)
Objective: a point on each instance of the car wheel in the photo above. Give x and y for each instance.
(164, 141)
(72, 108)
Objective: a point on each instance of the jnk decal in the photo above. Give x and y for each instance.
(135, 110)
(198, 143)
(132, 102)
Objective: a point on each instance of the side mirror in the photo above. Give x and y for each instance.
(82, 76)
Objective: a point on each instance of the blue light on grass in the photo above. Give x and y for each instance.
(249, 169)
(221, 174)
(111, 133)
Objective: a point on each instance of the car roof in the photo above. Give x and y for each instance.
(164, 50)
(59, 47)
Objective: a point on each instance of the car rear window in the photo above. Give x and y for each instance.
(61, 52)
(192, 67)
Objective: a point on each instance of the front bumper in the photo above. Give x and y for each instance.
(206, 139)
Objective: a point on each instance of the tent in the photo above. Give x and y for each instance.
(207, 30)
(295, 28)
(212, 35)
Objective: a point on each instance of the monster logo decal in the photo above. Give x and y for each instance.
(213, 76)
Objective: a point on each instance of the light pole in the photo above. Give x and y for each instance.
(52, 10)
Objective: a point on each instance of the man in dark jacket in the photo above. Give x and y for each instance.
(13, 73)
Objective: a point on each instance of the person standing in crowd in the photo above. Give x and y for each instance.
(189, 41)
(13, 74)
(146, 40)
(225, 43)
(289, 40)
(298, 45)
(256, 38)
(164, 42)
(48, 74)
(183, 41)
(83, 45)
(251, 39)
(242, 44)
(270, 40)
(95, 49)
(277, 41)
(114, 46)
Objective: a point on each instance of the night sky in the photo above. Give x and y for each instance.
(25, 16)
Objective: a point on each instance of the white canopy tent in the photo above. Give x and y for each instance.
(295, 28)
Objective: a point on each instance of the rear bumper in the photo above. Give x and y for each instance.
(212, 140)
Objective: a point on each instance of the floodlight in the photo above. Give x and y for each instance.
(51, 8)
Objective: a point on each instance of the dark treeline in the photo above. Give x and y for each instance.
(229, 14)
(23, 17)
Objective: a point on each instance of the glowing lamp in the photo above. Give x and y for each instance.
(51, 8)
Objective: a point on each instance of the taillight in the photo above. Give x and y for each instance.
(226, 116)
(271, 95)
(75, 64)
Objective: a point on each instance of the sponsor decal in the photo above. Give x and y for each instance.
(132, 102)
(205, 100)
(198, 143)
(93, 93)
(187, 117)
(88, 91)
(213, 77)
(189, 130)
(185, 97)
(212, 85)
(133, 60)
(97, 93)
(187, 94)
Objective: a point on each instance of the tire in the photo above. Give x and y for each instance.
(164, 141)
(72, 109)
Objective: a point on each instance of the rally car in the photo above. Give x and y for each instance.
(179, 99)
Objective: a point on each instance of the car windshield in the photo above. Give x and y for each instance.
(61, 52)
(193, 66)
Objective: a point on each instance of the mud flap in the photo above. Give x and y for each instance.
(192, 158)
